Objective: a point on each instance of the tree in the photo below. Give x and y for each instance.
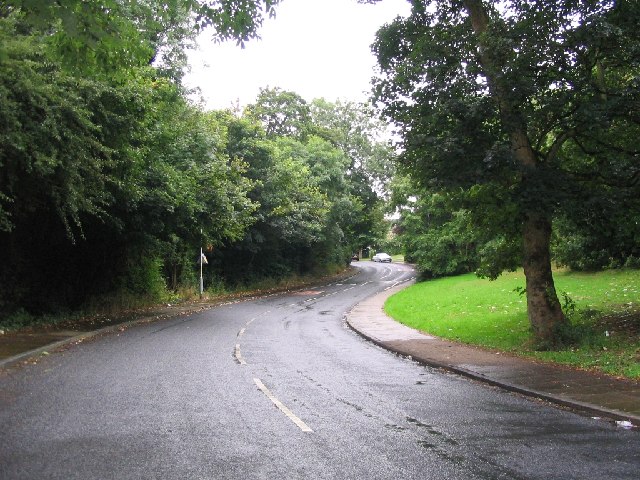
(51, 153)
(109, 35)
(282, 113)
(355, 135)
(188, 191)
(434, 231)
(530, 102)
(354, 129)
(103, 181)
(311, 167)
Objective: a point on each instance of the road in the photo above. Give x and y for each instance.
(280, 388)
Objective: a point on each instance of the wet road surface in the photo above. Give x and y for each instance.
(280, 388)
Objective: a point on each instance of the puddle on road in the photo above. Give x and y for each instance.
(432, 431)
(397, 428)
(426, 445)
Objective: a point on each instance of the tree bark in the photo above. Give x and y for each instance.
(543, 308)
(174, 277)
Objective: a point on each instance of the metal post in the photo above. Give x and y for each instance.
(201, 254)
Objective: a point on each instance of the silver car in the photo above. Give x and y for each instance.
(381, 257)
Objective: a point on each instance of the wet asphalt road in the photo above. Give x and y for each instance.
(280, 388)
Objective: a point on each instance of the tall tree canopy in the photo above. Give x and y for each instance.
(108, 35)
(528, 107)
(281, 113)
(109, 177)
(313, 165)
(97, 178)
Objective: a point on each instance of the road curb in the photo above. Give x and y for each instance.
(591, 409)
(38, 352)
(574, 404)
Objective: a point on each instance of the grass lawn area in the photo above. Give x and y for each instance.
(605, 318)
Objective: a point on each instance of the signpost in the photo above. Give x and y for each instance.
(203, 260)
(201, 281)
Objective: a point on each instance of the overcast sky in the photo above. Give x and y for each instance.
(316, 48)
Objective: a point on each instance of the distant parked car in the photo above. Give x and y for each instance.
(381, 257)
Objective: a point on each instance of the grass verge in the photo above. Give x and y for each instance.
(604, 309)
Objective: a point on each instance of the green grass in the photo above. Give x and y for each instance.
(604, 310)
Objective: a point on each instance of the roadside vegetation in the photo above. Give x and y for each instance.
(119, 307)
(603, 309)
(113, 178)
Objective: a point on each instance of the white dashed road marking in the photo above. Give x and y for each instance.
(239, 356)
(236, 351)
(301, 425)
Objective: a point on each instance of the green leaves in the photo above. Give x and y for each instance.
(110, 179)
(110, 37)
(98, 176)
(234, 19)
(562, 75)
(51, 150)
(519, 102)
(281, 113)
(298, 207)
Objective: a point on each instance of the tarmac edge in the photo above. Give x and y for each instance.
(38, 352)
(51, 347)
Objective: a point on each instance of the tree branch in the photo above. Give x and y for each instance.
(558, 143)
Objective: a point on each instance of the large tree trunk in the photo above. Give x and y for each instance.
(543, 307)
(544, 311)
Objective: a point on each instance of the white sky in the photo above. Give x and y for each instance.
(315, 48)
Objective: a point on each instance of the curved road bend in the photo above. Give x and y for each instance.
(279, 388)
